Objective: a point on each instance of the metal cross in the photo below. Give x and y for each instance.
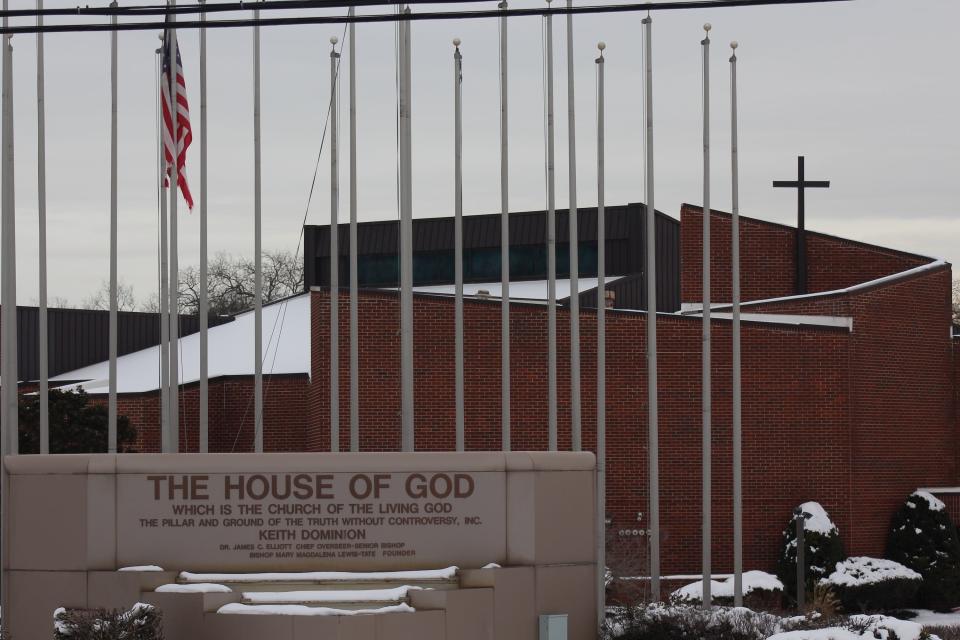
(800, 184)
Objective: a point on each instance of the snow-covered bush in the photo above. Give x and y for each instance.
(861, 627)
(761, 590)
(682, 622)
(142, 622)
(822, 544)
(923, 538)
(873, 584)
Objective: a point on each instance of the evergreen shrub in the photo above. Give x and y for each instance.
(923, 538)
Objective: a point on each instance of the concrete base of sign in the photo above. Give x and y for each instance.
(75, 521)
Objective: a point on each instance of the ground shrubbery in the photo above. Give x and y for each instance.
(143, 622)
(923, 538)
(76, 424)
(823, 549)
(873, 584)
(761, 592)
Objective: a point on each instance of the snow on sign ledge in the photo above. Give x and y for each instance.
(236, 608)
(859, 571)
(197, 587)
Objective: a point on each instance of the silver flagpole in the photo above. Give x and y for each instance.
(653, 429)
(8, 327)
(174, 288)
(204, 444)
(706, 388)
(354, 278)
(406, 243)
(601, 355)
(551, 252)
(112, 400)
(458, 233)
(574, 243)
(737, 415)
(334, 254)
(164, 283)
(504, 241)
(257, 257)
(42, 214)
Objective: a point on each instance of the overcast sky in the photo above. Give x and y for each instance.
(867, 90)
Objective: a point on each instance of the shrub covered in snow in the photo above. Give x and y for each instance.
(872, 584)
(923, 538)
(861, 628)
(822, 544)
(761, 590)
(682, 622)
(143, 622)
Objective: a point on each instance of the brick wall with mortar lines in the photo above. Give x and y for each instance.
(768, 259)
(230, 415)
(788, 371)
(903, 394)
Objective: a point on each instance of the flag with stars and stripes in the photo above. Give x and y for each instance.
(184, 134)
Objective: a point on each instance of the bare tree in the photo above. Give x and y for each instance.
(100, 299)
(230, 282)
(956, 301)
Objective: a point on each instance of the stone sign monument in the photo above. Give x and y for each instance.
(519, 528)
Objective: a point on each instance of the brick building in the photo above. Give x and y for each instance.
(850, 393)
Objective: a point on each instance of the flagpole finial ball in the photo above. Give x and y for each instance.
(707, 27)
(601, 45)
(456, 42)
(734, 44)
(333, 40)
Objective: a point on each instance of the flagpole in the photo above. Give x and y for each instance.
(334, 255)
(707, 536)
(354, 278)
(551, 252)
(737, 410)
(406, 243)
(42, 215)
(257, 258)
(8, 326)
(601, 532)
(204, 443)
(112, 399)
(164, 278)
(504, 241)
(458, 234)
(174, 287)
(574, 244)
(653, 427)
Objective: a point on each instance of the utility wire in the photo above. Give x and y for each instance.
(392, 17)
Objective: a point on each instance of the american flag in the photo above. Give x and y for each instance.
(184, 134)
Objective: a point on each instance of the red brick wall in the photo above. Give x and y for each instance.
(903, 395)
(788, 372)
(231, 417)
(767, 259)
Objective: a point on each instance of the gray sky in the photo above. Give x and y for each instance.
(866, 90)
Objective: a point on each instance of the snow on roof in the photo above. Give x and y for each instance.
(893, 277)
(286, 340)
(859, 571)
(520, 290)
(819, 521)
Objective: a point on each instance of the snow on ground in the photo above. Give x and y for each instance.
(752, 581)
(935, 503)
(196, 587)
(858, 571)
(323, 576)
(819, 521)
(317, 597)
(300, 610)
(873, 628)
(934, 619)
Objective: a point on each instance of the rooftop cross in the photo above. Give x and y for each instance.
(800, 184)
